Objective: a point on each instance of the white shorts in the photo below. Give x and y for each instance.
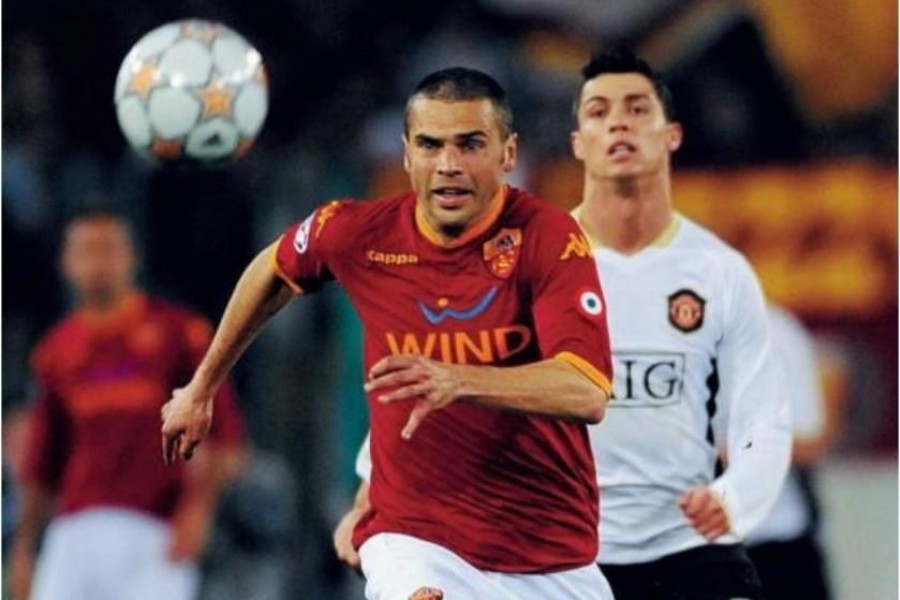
(110, 554)
(401, 567)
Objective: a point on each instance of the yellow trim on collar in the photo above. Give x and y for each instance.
(662, 240)
(473, 231)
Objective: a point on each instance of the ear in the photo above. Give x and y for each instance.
(510, 153)
(674, 136)
(406, 163)
(575, 140)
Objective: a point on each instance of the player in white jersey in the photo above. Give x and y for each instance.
(785, 547)
(690, 339)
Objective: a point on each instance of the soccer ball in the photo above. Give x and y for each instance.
(192, 91)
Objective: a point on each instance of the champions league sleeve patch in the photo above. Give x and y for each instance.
(319, 217)
(686, 309)
(301, 239)
(589, 303)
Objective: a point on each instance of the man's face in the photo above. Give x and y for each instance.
(622, 129)
(456, 158)
(98, 259)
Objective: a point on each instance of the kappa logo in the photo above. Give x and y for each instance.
(578, 246)
(324, 214)
(460, 315)
(392, 258)
(686, 309)
(501, 252)
(427, 593)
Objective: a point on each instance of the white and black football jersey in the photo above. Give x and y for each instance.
(690, 340)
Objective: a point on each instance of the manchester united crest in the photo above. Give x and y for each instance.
(686, 309)
(427, 593)
(501, 252)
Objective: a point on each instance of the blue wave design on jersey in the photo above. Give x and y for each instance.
(459, 315)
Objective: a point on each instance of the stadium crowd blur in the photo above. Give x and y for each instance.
(790, 113)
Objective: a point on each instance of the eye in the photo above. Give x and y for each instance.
(428, 144)
(472, 144)
(641, 108)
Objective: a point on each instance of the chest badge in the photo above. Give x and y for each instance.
(686, 309)
(501, 252)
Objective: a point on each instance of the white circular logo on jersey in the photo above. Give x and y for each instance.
(301, 240)
(590, 303)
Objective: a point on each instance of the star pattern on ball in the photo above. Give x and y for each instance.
(203, 32)
(217, 99)
(145, 78)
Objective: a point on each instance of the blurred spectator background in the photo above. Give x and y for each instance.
(790, 112)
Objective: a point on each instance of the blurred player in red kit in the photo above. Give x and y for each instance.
(124, 526)
(486, 351)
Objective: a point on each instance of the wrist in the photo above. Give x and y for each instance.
(202, 387)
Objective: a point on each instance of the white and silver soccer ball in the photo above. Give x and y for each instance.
(192, 91)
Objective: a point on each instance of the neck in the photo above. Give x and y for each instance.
(104, 301)
(626, 215)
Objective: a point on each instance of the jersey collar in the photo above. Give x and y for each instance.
(662, 240)
(125, 313)
(474, 230)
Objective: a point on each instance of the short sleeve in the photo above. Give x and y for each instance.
(302, 253)
(569, 308)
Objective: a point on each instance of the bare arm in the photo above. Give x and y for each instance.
(551, 387)
(258, 295)
(34, 499)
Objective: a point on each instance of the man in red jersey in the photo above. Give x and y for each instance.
(486, 351)
(124, 526)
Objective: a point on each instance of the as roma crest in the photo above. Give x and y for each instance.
(501, 252)
(686, 309)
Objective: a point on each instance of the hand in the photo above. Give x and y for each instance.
(21, 566)
(434, 385)
(705, 511)
(343, 536)
(186, 420)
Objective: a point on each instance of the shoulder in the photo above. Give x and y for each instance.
(545, 227)
(710, 248)
(344, 220)
(531, 211)
(59, 336)
(361, 212)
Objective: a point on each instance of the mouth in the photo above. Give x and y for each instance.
(451, 197)
(621, 150)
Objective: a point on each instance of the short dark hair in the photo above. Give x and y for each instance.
(624, 60)
(96, 214)
(91, 215)
(459, 84)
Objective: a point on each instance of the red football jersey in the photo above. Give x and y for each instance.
(506, 491)
(94, 438)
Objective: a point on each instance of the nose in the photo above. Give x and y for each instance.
(448, 162)
(618, 119)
